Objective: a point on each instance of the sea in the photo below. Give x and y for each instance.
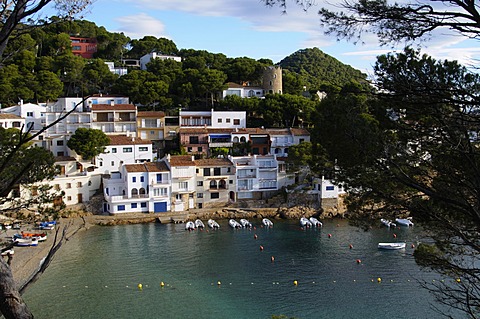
(163, 271)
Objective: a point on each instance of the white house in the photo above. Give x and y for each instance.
(12, 121)
(144, 60)
(138, 188)
(183, 172)
(116, 70)
(215, 182)
(123, 150)
(213, 119)
(256, 176)
(283, 138)
(33, 114)
(243, 91)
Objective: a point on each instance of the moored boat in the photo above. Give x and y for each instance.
(391, 246)
(387, 223)
(199, 224)
(245, 223)
(404, 222)
(190, 225)
(47, 225)
(304, 222)
(267, 222)
(234, 224)
(315, 222)
(213, 224)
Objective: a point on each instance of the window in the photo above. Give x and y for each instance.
(214, 195)
(79, 184)
(183, 185)
(199, 195)
(193, 139)
(143, 149)
(152, 132)
(127, 150)
(230, 181)
(200, 149)
(199, 183)
(330, 188)
(236, 121)
(112, 163)
(133, 205)
(59, 143)
(60, 153)
(100, 163)
(69, 185)
(134, 179)
(228, 169)
(206, 172)
(29, 114)
(142, 179)
(114, 150)
(219, 120)
(143, 205)
(302, 140)
(227, 120)
(159, 192)
(150, 122)
(121, 207)
(255, 150)
(159, 178)
(189, 149)
(76, 48)
(217, 171)
(197, 170)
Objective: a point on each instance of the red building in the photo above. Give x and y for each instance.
(84, 47)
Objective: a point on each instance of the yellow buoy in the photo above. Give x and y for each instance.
(458, 280)
(162, 284)
(140, 286)
(295, 282)
(219, 283)
(379, 279)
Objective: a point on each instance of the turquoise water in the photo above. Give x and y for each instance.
(96, 274)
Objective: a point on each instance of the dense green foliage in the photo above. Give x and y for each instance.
(318, 71)
(88, 142)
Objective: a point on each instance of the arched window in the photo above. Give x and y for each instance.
(213, 184)
(243, 139)
(134, 192)
(222, 184)
(235, 139)
(142, 191)
(277, 150)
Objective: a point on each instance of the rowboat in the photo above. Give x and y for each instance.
(391, 246)
(304, 222)
(387, 223)
(245, 223)
(25, 242)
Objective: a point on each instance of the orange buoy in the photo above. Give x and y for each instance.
(261, 247)
(413, 245)
(394, 235)
(359, 261)
(329, 235)
(350, 246)
(255, 236)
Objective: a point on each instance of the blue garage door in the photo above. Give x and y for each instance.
(160, 207)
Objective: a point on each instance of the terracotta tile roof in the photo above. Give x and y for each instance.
(299, 131)
(156, 166)
(135, 168)
(206, 130)
(64, 158)
(181, 160)
(232, 85)
(155, 114)
(125, 140)
(213, 162)
(115, 107)
(5, 116)
(278, 131)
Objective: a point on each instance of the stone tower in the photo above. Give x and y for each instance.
(272, 80)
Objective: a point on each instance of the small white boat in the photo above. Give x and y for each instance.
(8, 252)
(267, 222)
(213, 224)
(404, 222)
(190, 225)
(304, 222)
(387, 223)
(245, 223)
(25, 242)
(47, 225)
(234, 224)
(391, 246)
(315, 222)
(199, 224)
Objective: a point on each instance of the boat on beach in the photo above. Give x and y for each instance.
(234, 224)
(190, 225)
(387, 223)
(315, 222)
(267, 222)
(404, 222)
(391, 246)
(245, 223)
(304, 222)
(25, 242)
(47, 225)
(213, 224)
(199, 224)
(39, 236)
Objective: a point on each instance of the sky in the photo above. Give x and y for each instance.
(251, 29)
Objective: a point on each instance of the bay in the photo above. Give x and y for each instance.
(225, 274)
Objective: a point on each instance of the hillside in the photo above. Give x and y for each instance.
(318, 69)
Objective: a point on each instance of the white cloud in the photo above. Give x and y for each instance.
(139, 25)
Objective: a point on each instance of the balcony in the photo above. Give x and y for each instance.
(162, 182)
(116, 198)
(220, 144)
